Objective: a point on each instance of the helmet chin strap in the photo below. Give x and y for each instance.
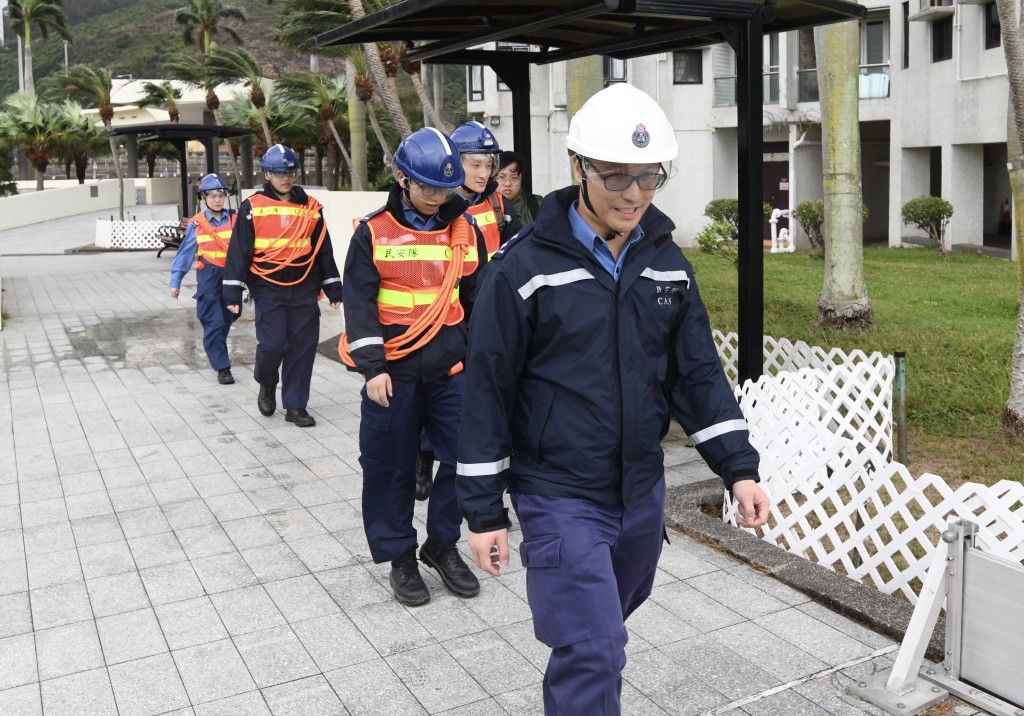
(586, 197)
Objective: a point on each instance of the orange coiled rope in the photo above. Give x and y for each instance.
(423, 329)
(287, 254)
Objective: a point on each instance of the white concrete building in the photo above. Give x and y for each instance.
(932, 114)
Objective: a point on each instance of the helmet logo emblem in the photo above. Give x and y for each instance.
(449, 169)
(640, 136)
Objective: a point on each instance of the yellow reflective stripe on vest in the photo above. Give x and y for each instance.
(418, 252)
(213, 254)
(284, 210)
(408, 299)
(485, 218)
(279, 242)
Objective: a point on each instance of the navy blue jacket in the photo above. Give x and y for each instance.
(362, 316)
(323, 274)
(572, 378)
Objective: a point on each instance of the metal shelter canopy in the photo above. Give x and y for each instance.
(444, 31)
(178, 135)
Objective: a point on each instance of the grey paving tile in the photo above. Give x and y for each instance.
(190, 622)
(213, 671)
(96, 530)
(130, 636)
(321, 553)
(657, 625)
(10, 517)
(274, 562)
(60, 604)
(190, 513)
(171, 583)
(353, 587)
(144, 522)
(435, 678)
(133, 497)
(117, 594)
(697, 609)
(830, 694)
(373, 689)
(771, 653)
(497, 605)
(232, 506)
(204, 541)
(487, 707)
(301, 598)
(247, 610)
(86, 693)
(389, 627)
(21, 701)
(815, 637)
(47, 488)
(524, 702)
(105, 559)
(477, 654)
(275, 656)
(67, 650)
(720, 667)
(47, 512)
(13, 576)
(168, 492)
(846, 626)
(17, 661)
(15, 614)
(768, 584)
(668, 686)
(199, 465)
(121, 476)
(735, 594)
(296, 524)
(224, 572)
(312, 695)
(80, 483)
(55, 537)
(521, 637)
(250, 532)
(46, 570)
(247, 704)
(784, 702)
(334, 642)
(89, 504)
(149, 686)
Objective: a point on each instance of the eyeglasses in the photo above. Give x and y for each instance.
(289, 174)
(509, 178)
(432, 192)
(621, 182)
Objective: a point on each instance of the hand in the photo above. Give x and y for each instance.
(175, 292)
(378, 389)
(334, 305)
(490, 550)
(753, 503)
(233, 307)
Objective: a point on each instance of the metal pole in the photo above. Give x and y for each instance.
(899, 399)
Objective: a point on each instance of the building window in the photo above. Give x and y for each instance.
(614, 70)
(688, 67)
(906, 35)
(993, 35)
(771, 69)
(723, 69)
(475, 82)
(807, 64)
(942, 39)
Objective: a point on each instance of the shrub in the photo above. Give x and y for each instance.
(811, 215)
(728, 211)
(931, 214)
(719, 239)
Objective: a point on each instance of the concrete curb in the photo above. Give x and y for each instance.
(693, 509)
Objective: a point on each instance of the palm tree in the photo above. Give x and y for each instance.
(202, 21)
(329, 97)
(364, 91)
(240, 66)
(79, 140)
(34, 126)
(151, 151)
(47, 15)
(412, 68)
(161, 95)
(94, 84)
(388, 98)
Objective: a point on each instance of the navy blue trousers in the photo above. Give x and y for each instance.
(214, 316)
(587, 569)
(388, 441)
(287, 334)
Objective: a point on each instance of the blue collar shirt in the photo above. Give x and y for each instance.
(596, 245)
(419, 222)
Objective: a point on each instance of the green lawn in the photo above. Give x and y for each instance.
(954, 319)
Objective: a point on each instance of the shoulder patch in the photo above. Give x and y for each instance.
(509, 245)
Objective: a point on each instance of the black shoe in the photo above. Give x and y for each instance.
(424, 474)
(300, 417)
(224, 377)
(445, 558)
(267, 402)
(406, 580)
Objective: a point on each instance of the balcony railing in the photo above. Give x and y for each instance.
(874, 83)
(930, 10)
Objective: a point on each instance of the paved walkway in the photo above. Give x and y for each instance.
(165, 549)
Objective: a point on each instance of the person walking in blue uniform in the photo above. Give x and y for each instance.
(205, 245)
(410, 279)
(587, 337)
(497, 221)
(282, 251)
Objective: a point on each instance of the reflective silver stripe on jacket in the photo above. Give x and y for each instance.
(718, 429)
(233, 283)
(374, 341)
(554, 279)
(331, 280)
(477, 469)
(666, 275)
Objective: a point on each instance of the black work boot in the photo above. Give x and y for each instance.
(224, 376)
(267, 401)
(424, 474)
(445, 558)
(406, 580)
(300, 417)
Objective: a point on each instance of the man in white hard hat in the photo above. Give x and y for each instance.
(588, 336)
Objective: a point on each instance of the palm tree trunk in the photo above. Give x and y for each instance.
(40, 177)
(428, 105)
(356, 130)
(266, 127)
(116, 155)
(30, 83)
(391, 103)
(344, 153)
(380, 134)
(844, 301)
(231, 151)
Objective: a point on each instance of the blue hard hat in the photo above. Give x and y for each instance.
(475, 138)
(209, 183)
(279, 158)
(430, 157)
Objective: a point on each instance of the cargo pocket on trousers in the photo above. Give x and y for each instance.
(558, 618)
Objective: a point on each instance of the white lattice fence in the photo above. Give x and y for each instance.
(861, 390)
(128, 234)
(838, 501)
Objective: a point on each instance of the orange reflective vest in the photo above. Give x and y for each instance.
(282, 230)
(490, 217)
(212, 241)
(412, 265)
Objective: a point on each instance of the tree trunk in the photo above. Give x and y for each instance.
(428, 106)
(390, 101)
(266, 127)
(231, 151)
(356, 130)
(40, 177)
(344, 152)
(844, 301)
(30, 83)
(380, 134)
(318, 173)
(115, 154)
(1011, 22)
(583, 79)
(81, 165)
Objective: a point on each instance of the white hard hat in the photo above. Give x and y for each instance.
(624, 125)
